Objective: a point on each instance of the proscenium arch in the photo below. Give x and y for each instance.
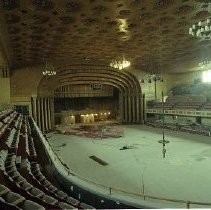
(130, 104)
(127, 87)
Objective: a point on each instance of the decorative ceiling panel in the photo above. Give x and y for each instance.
(98, 31)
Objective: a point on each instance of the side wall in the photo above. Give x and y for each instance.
(4, 92)
(24, 84)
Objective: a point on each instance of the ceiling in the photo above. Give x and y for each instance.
(97, 31)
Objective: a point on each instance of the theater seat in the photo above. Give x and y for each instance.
(72, 201)
(30, 205)
(49, 199)
(36, 192)
(14, 198)
(6, 206)
(65, 206)
(26, 185)
(61, 194)
(2, 200)
(52, 188)
(3, 190)
(85, 206)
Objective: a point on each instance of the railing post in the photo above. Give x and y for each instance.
(188, 204)
(110, 190)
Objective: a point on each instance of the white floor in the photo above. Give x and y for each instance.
(185, 173)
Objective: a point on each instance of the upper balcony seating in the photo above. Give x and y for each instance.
(207, 106)
(188, 105)
(15, 201)
(46, 196)
(186, 98)
(3, 156)
(41, 181)
(9, 118)
(193, 102)
(18, 182)
(6, 123)
(166, 105)
(11, 137)
(31, 190)
(4, 113)
(1, 125)
(18, 122)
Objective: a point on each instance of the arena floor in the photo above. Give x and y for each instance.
(185, 173)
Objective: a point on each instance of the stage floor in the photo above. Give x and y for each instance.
(184, 174)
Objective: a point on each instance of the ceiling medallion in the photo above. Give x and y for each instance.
(201, 29)
(48, 69)
(10, 4)
(120, 64)
(42, 4)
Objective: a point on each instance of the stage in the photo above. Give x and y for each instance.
(97, 130)
(183, 175)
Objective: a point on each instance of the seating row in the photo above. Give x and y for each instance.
(22, 183)
(4, 113)
(34, 171)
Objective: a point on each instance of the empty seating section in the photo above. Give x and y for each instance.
(184, 102)
(22, 183)
(11, 137)
(6, 121)
(166, 105)
(5, 113)
(207, 106)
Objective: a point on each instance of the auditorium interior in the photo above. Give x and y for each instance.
(105, 104)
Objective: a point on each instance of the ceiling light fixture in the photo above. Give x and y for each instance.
(204, 64)
(48, 69)
(120, 64)
(201, 29)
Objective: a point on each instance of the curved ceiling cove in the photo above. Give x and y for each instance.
(123, 80)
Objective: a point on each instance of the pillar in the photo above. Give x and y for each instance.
(43, 114)
(46, 113)
(121, 107)
(52, 111)
(134, 108)
(34, 105)
(138, 108)
(49, 113)
(38, 113)
(125, 109)
(129, 108)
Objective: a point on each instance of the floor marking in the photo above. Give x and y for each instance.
(98, 160)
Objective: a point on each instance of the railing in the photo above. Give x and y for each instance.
(111, 190)
(181, 112)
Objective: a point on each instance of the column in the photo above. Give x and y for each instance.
(143, 108)
(46, 114)
(34, 105)
(52, 111)
(38, 113)
(49, 113)
(121, 107)
(134, 108)
(138, 108)
(125, 109)
(43, 114)
(129, 108)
